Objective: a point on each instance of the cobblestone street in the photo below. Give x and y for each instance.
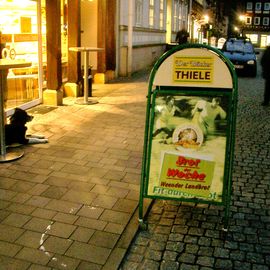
(189, 236)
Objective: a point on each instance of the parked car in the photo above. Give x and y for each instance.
(242, 54)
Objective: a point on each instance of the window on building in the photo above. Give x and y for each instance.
(257, 21)
(266, 21)
(258, 6)
(248, 20)
(151, 13)
(249, 5)
(253, 38)
(175, 16)
(161, 14)
(138, 12)
(267, 6)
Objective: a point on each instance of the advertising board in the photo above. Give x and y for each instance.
(190, 127)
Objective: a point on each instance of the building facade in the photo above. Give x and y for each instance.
(254, 21)
(132, 34)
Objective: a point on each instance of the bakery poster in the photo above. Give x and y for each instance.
(188, 147)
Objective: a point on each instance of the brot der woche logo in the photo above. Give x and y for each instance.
(187, 174)
(193, 69)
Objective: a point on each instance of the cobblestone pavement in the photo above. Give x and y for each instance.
(189, 236)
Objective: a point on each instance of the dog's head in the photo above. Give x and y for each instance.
(20, 117)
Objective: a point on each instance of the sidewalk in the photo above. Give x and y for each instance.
(71, 203)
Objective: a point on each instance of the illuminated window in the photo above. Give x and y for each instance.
(253, 38)
(161, 14)
(248, 20)
(151, 13)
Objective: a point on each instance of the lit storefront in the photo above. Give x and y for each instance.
(23, 36)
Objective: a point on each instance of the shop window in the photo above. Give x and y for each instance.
(19, 39)
(253, 38)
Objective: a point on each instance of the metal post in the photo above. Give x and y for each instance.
(2, 112)
(86, 64)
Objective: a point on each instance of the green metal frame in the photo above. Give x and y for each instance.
(203, 91)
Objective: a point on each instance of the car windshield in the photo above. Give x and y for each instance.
(235, 46)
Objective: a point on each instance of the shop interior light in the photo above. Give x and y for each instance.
(21, 3)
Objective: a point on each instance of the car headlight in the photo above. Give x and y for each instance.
(250, 62)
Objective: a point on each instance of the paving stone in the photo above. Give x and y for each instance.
(153, 255)
(9, 249)
(14, 264)
(21, 209)
(104, 201)
(175, 246)
(91, 223)
(130, 266)
(31, 239)
(16, 220)
(115, 216)
(90, 211)
(114, 228)
(38, 267)
(223, 264)
(168, 265)
(184, 266)
(169, 255)
(221, 253)
(90, 253)
(205, 261)
(242, 265)
(104, 239)
(55, 245)
(155, 245)
(43, 213)
(34, 256)
(86, 265)
(150, 265)
(63, 206)
(79, 197)
(63, 262)
(137, 258)
(10, 233)
(38, 225)
(82, 234)
(187, 258)
(61, 229)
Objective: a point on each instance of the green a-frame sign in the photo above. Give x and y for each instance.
(190, 128)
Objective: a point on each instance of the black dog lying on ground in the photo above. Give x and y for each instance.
(15, 132)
